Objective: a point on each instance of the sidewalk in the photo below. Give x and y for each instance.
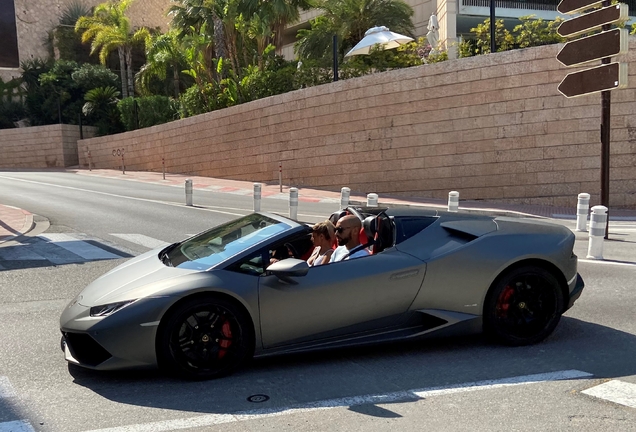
(15, 221)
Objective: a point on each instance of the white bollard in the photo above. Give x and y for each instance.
(453, 201)
(582, 209)
(188, 191)
(293, 203)
(372, 200)
(257, 197)
(598, 220)
(345, 194)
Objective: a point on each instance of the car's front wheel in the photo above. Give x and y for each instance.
(524, 306)
(205, 338)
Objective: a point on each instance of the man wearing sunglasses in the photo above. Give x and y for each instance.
(348, 236)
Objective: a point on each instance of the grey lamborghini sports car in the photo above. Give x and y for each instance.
(202, 307)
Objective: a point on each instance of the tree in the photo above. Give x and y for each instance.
(192, 17)
(101, 106)
(277, 14)
(164, 54)
(109, 29)
(349, 20)
(66, 40)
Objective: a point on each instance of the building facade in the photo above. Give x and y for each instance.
(25, 24)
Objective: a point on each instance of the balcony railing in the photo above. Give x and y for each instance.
(539, 5)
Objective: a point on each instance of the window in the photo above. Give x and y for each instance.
(222, 242)
(8, 35)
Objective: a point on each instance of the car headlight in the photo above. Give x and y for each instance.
(109, 309)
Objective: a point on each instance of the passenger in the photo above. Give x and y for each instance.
(348, 236)
(322, 237)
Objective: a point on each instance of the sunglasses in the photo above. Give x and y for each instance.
(341, 229)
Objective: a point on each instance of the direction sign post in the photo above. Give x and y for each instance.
(603, 78)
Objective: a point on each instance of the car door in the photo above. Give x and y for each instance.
(339, 298)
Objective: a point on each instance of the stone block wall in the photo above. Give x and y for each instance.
(53, 146)
(493, 127)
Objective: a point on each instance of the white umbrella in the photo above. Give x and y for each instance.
(378, 36)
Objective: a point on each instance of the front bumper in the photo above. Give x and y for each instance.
(123, 340)
(576, 288)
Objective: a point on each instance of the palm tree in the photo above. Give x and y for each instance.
(110, 29)
(164, 52)
(349, 20)
(189, 16)
(277, 13)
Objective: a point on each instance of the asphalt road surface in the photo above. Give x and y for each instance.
(583, 377)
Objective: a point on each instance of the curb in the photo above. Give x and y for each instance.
(441, 207)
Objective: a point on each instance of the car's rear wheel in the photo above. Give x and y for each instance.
(524, 306)
(205, 338)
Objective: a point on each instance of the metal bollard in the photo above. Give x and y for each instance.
(293, 203)
(453, 201)
(582, 209)
(188, 191)
(372, 200)
(598, 220)
(345, 194)
(257, 197)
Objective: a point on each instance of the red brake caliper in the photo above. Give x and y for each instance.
(503, 304)
(225, 343)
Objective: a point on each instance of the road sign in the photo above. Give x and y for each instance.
(594, 20)
(574, 6)
(602, 45)
(605, 77)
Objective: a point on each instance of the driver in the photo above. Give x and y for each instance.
(347, 233)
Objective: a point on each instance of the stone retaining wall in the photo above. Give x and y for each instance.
(40, 146)
(493, 127)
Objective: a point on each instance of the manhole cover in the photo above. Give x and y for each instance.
(258, 398)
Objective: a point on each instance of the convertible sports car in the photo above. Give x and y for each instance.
(202, 307)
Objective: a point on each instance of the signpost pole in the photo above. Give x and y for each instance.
(606, 100)
(493, 42)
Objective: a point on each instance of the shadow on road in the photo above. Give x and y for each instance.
(380, 369)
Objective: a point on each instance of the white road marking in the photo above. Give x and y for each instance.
(591, 261)
(615, 391)
(6, 389)
(78, 247)
(402, 396)
(143, 240)
(16, 426)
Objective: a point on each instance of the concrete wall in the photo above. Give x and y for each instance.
(493, 127)
(40, 146)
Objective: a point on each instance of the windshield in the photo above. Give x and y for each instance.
(219, 243)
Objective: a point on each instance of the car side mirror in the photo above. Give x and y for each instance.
(290, 267)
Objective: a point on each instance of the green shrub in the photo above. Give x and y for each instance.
(151, 110)
(10, 112)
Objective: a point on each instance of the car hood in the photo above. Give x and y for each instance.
(132, 280)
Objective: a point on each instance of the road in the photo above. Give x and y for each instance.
(454, 384)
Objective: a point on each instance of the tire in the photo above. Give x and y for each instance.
(523, 306)
(205, 338)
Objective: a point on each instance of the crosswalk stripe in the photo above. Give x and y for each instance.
(6, 389)
(78, 247)
(143, 240)
(16, 426)
(619, 392)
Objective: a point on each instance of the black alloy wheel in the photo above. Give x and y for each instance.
(524, 306)
(205, 338)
